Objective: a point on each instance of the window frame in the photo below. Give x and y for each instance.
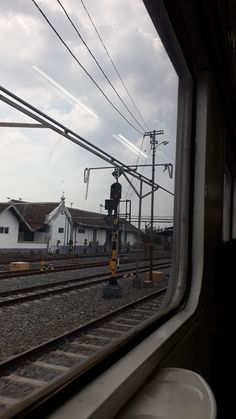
(81, 230)
(5, 230)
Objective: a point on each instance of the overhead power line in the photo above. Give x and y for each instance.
(83, 68)
(113, 64)
(131, 193)
(22, 106)
(126, 89)
(120, 77)
(96, 61)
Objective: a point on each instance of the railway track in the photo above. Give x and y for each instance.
(21, 295)
(54, 269)
(28, 378)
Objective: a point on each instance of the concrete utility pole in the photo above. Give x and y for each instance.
(154, 143)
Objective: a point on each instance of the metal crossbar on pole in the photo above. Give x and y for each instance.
(46, 121)
(34, 113)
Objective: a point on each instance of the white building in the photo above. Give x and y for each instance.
(52, 227)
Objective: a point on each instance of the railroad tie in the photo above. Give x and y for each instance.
(26, 380)
(8, 400)
(51, 366)
(70, 354)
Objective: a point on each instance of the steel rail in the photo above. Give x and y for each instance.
(46, 289)
(39, 271)
(61, 268)
(37, 397)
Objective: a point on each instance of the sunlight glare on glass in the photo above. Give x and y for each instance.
(63, 90)
(133, 147)
(129, 145)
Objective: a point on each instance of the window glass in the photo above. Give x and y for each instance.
(122, 108)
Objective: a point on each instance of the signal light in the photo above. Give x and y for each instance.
(115, 193)
(110, 205)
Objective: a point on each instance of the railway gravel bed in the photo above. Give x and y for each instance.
(29, 378)
(27, 325)
(29, 281)
(11, 284)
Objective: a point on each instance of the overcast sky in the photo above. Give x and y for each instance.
(36, 164)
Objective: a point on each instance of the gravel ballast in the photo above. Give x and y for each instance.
(11, 284)
(27, 325)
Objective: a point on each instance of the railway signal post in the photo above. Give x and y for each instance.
(112, 289)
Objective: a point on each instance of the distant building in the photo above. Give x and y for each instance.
(52, 227)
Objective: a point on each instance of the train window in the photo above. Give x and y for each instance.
(94, 92)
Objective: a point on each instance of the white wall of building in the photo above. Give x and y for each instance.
(88, 234)
(101, 237)
(40, 237)
(31, 246)
(8, 241)
(131, 238)
(80, 237)
(59, 221)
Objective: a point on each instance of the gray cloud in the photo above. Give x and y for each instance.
(42, 165)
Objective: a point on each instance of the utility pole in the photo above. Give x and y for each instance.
(154, 142)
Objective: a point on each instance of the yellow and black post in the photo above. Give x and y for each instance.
(114, 246)
(112, 289)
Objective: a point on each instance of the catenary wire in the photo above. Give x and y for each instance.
(117, 72)
(84, 69)
(113, 64)
(96, 61)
